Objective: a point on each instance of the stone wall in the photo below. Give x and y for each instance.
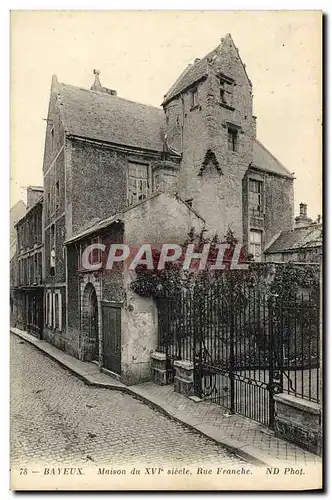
(99, 184)
(216, 193)
(139, 329)
(298, 421)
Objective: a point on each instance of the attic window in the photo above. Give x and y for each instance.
(226, 92)
(194, 98)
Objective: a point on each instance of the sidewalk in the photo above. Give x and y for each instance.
(247, 438)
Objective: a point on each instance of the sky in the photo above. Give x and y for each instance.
(141, 53)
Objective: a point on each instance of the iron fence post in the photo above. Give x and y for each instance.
(231, 361)
(197, 345)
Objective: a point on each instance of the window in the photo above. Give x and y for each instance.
(232, 139)
(39, 268)
(138, 186)
(255, 197)
(52, 250)
(52, 139)
(57, 195)
(49, 203)
(35, 269)
(57, 316)
(194, 98)
(54, 310)
(255, 245)
(49, 308)
(226, 91)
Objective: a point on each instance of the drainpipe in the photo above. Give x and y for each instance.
(182, 123)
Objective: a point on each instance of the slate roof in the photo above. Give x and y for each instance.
(189, 76)
(302, 237)
(264, 160)
(104, 117)
(196, 71)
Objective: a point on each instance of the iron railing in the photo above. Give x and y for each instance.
(245, 344)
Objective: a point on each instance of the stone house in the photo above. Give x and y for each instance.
(230, 178)
(108, 323)
(302, 244)
(104, 154)
(28, 288)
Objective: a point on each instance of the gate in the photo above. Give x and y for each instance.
(236, 337)
(111, 318)
(236, 353)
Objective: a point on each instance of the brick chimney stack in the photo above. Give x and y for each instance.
(303, 220)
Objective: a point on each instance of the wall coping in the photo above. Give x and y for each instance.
(158, 355)
(301, 404)
(186, 365)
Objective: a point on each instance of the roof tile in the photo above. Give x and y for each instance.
(100, 116)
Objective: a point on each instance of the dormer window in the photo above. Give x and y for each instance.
(226, 86)
(194, 98)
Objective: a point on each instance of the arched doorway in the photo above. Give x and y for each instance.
(90, 324)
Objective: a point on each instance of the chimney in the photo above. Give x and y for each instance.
(97, 86)
(302, 220)
(303, 209)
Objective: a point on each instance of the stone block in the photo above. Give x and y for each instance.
(184, 377)
(298, 421)
(160, 370)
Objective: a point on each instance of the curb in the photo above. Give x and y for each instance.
(255, 457)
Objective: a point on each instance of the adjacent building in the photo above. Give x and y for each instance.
(302, 244)
(28, 285)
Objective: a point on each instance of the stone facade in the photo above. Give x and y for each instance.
(212, 175)
(199, 150)
(161, 218)
(216, 193)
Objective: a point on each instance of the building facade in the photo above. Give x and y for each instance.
(28, 276)
(303, 244)
(119, 170)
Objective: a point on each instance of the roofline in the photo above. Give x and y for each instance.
(198, 80)
(39, 201)
(292, 250)
(275, 158)
(118, 146)
(271, 172)
(111, 96)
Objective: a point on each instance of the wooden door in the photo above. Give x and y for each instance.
(111, 314)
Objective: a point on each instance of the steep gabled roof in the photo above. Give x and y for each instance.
(104, 117)
(198, 71)
(302, 237)
(192, 74)
(264, 160)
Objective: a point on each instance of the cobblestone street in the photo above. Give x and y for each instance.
(57, 419)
